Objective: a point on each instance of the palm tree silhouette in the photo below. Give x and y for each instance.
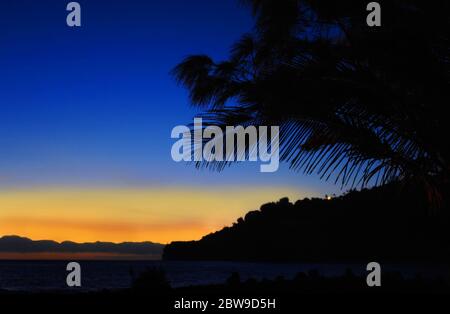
(361, 104)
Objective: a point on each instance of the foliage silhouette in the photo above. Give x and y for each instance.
(364, 105)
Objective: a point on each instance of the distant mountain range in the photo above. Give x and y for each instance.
(16, 244)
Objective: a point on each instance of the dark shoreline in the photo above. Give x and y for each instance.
(311, 282)
(307, 289)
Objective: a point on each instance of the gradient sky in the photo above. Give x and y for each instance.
(85, 121)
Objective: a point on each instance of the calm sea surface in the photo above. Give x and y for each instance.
(97, 275)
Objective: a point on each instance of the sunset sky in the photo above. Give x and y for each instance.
(131, 214)
(86, 116)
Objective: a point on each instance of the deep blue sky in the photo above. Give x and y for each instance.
(95, 105)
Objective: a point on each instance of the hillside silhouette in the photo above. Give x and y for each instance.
(388, 223)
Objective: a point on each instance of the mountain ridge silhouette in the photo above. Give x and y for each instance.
(18, 244)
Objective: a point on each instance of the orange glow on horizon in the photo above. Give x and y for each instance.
(128, 214)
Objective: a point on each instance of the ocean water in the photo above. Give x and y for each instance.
(98, 275)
